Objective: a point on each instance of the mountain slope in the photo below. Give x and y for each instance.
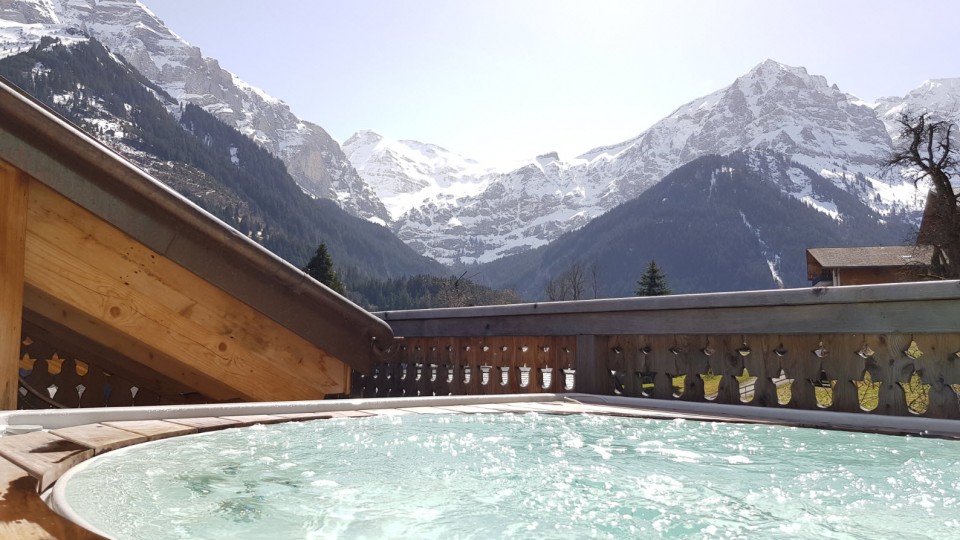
(404, 174)
(774, 107)
(940, 96)
(715, 224)
(129, 28)
(209, 162)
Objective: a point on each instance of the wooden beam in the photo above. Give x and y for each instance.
(13, 223)
(134, 300)
(126, 346)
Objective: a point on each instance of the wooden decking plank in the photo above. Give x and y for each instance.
(501, 407)
(425, 410)
(252, 419)
(23, 515)
(99, 437)
(469, 409)
(566, 408)
(306, 416)
(349, 414)
(153, 429)
(385, 412)
(44, 455)
(522, 408)
(206, 423)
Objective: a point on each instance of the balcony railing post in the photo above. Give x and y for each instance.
(13, 220)
(593, 377)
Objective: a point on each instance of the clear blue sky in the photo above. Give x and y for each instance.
(505, 80)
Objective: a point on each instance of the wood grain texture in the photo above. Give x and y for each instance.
(24, 516)
(152, 429)
(204, 424)
(102, 274)
(44, 455)
(252, 419)
(13, 224)
(99, 437)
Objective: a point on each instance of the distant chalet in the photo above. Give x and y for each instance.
(867, 265)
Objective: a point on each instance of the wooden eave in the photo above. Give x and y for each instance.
(87, 183)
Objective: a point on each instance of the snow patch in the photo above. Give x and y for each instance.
(772, 258)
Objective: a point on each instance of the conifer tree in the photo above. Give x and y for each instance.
(321, 269)
(652, 282)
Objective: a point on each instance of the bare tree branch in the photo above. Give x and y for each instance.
(927, 147)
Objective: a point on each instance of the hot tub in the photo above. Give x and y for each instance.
(529, 475)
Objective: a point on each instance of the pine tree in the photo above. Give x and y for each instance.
(321, 269)
(652, 282)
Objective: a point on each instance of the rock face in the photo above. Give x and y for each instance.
(772, 108)
(129, 28)
(405, 174)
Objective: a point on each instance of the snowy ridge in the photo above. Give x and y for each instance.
(772, 108)
(408, 174)
(936, 96)
(460, 211)
(129, 28)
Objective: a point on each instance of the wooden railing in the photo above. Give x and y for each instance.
(428, 366)
(53, 377)
(882, 349)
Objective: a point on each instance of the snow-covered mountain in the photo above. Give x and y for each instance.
(936, 96)
(129, 28)
(405, 174)
(460, 211)
(773, 107)
(718, 223)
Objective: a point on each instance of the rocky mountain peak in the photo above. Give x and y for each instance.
(934, 95)
(409, 174)
(363, 137)
(129, 28)
(773, 108)
(770, 73)
(28, 11)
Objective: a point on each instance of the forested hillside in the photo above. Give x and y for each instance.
(422, 292)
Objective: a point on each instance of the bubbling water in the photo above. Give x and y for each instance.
(521, 476)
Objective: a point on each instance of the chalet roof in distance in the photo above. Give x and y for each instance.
(872, 256)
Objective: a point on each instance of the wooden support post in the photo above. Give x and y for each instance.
(593, 376)
(13, 225)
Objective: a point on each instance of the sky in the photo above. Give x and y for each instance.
(505, 80)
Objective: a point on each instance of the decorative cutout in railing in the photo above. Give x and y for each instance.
(884, 374)
(888, 374)
(883, 349)
(503, 366)
(48, 380)
(55, 382)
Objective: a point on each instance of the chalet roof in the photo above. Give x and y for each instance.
(872, 256)
(42, 144)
